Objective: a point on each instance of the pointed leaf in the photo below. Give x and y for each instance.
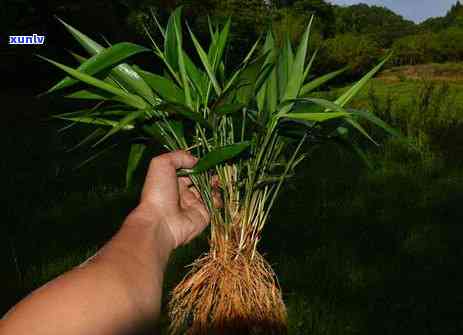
(207, 65)
(219, 47)
(96, 155)
(355, 149)
(123, 73)
(185, 111)
(309, 66)
(94, 120)
(161, 29)
(316, 117)
(171, 40)
(128, 98)
(376, 121)
(127, 121)
(135, 156)
(328, 105)
(105, 59)
(228, 109)
(316, 83)
(160, 130)
(182, 68)
(163, 86)
(296, 76)
(92, 136)
(216, 157)
(347, 97)
(89, 95)
(361, 130)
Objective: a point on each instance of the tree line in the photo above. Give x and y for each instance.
(355, 35)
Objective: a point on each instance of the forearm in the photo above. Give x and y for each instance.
(115, 292)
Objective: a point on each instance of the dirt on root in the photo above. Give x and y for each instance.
(228, 292)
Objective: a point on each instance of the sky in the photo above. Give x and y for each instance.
(415, 10)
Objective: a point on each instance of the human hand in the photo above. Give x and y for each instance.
(172, 201)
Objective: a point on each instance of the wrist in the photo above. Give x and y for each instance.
(153, 224)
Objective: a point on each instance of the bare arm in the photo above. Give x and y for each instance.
(118, 291)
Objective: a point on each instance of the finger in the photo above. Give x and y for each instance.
(188, 199)
(215, 181)
(196, 193)
(217, 199)
(162, 173)
(184, 183)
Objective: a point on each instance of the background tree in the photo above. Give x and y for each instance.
(359, 52)
(379, 23)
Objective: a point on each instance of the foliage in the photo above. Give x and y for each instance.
(443, 46)
(453, 18)
(378, 23)
(165, 106)
(359, 52)
(416, 49)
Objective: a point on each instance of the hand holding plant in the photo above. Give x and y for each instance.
(173, 200)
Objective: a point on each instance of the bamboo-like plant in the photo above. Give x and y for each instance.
(249, 125)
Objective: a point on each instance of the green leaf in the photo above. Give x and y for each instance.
(182, 68)
(163, 86)
(315, 117)
(160, 130)
(105, 59)
(87, 139)
(123, 73)
(283, 67)
(135, 156)
(94, 120)
(207, 65)
(228, 109)
(218, 48)
(171, 41)
(328, 105)
(216, 157)
(316, 83)
(347, 97)
(87, 43)
(264, 76)
(309, 66)
(78, 58)
(161, 29)
(376, 121)
(96, 155)
(196, 76)
(122, 124)
(354, 148)
(263, 99)
(362, 131)
(296, 76)
(244, 65)
(185, 111)
(129, 99)
(90, 95)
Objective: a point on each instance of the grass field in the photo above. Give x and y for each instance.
(357, 251)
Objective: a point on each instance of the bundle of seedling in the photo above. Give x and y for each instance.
(250, 122)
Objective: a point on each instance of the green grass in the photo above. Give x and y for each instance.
(401, 91)
(356, 251)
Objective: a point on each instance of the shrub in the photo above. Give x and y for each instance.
(357, 51)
